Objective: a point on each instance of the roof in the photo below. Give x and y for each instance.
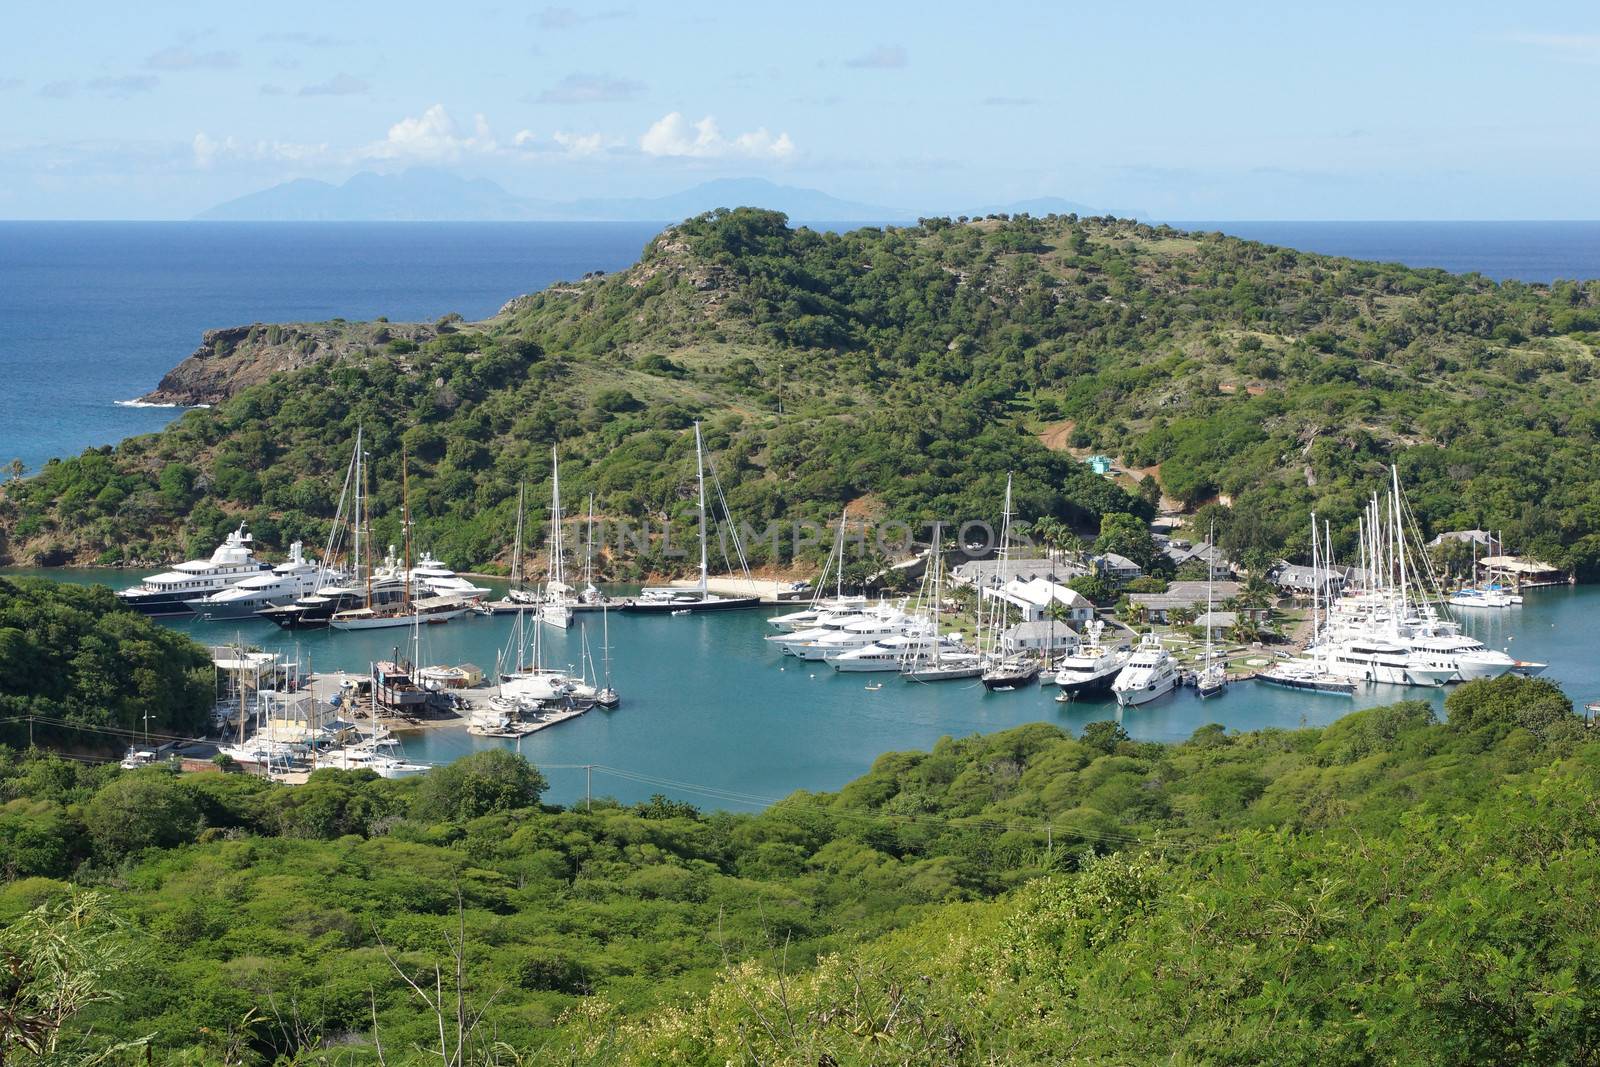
(1482, 537)
(1295, 574)
(1217, 619)
(1518, 565)
(987, 571)
(1042, 630)
(1039, 592)
(1116, 562)
(1183, 595)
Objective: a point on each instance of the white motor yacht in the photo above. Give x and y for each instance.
(894, 652)
(1149, 673)
(1089, 668)
(1376, 658)
(858, 634)
(169, 592)
(832, 607)
(430, 577)
(283, 584)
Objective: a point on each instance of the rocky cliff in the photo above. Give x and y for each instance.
(237, 357)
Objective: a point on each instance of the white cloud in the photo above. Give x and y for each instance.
(577, 144)
(1584, 47)
(126, 85)
(590, 89)
(178, 57)
(338, 85)
(674, 135)
(566, 18)
(883, 57)
(208, 151)
(434, 136)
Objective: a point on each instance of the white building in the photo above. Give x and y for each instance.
(1052, 638)
(1035, 597)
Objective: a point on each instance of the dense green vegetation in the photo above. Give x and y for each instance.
(1386, 888)
(69, 655)
(913, 367)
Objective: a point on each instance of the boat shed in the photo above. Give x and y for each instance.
(1521, 573)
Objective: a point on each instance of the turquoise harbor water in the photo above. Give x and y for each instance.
(713, 715)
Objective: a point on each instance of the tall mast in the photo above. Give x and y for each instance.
(557, 575)
(938, 560)
(405, 527)
(700, 468)
(838, 549)
(1212, 537)
(516, 549)
(1399, 542)
(588, 549)
(1314, 576)
(362, 561)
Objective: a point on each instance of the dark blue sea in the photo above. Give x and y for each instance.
(92, 313)
(1526, 251)
(95, 312)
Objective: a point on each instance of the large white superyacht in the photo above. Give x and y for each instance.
(169, 592)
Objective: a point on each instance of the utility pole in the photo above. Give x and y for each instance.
(588, 778)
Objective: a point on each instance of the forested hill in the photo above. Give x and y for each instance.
(1385, 889)
(906, 369)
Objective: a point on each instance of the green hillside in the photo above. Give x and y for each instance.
(913, 366)
(1388, 888)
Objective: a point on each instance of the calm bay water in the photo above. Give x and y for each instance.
(96, 312)
(713, 715)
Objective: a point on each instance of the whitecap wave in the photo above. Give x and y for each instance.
(146, 404)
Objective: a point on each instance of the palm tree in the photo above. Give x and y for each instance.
(1244, 631)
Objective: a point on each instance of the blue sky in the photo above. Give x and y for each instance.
(1181, 110)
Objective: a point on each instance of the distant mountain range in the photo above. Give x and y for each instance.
(420, 194)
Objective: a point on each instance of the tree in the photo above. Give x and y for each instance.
(1104, 735)
(55, 961)
(479, 784)
(145, 809)
(1509, 702)
(1126, 535)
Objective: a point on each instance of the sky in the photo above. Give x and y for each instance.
(1181, 111)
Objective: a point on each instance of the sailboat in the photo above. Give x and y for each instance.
(336, 593)
(1310, 672)
(835, 607)
(931, 661)
(672, 600)
(555, 606)
(518, 595)
(1002, 670)
(1213, 678)
(410, 610)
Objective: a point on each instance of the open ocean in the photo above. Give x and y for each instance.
(92, 313)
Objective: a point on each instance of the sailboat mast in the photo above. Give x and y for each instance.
(1211, 541)
(557, 575)
(1399, 542)
(700, 468)
(405, 527)
(516, 549)
(588, 549)
(362, 561)
(1314, 576)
